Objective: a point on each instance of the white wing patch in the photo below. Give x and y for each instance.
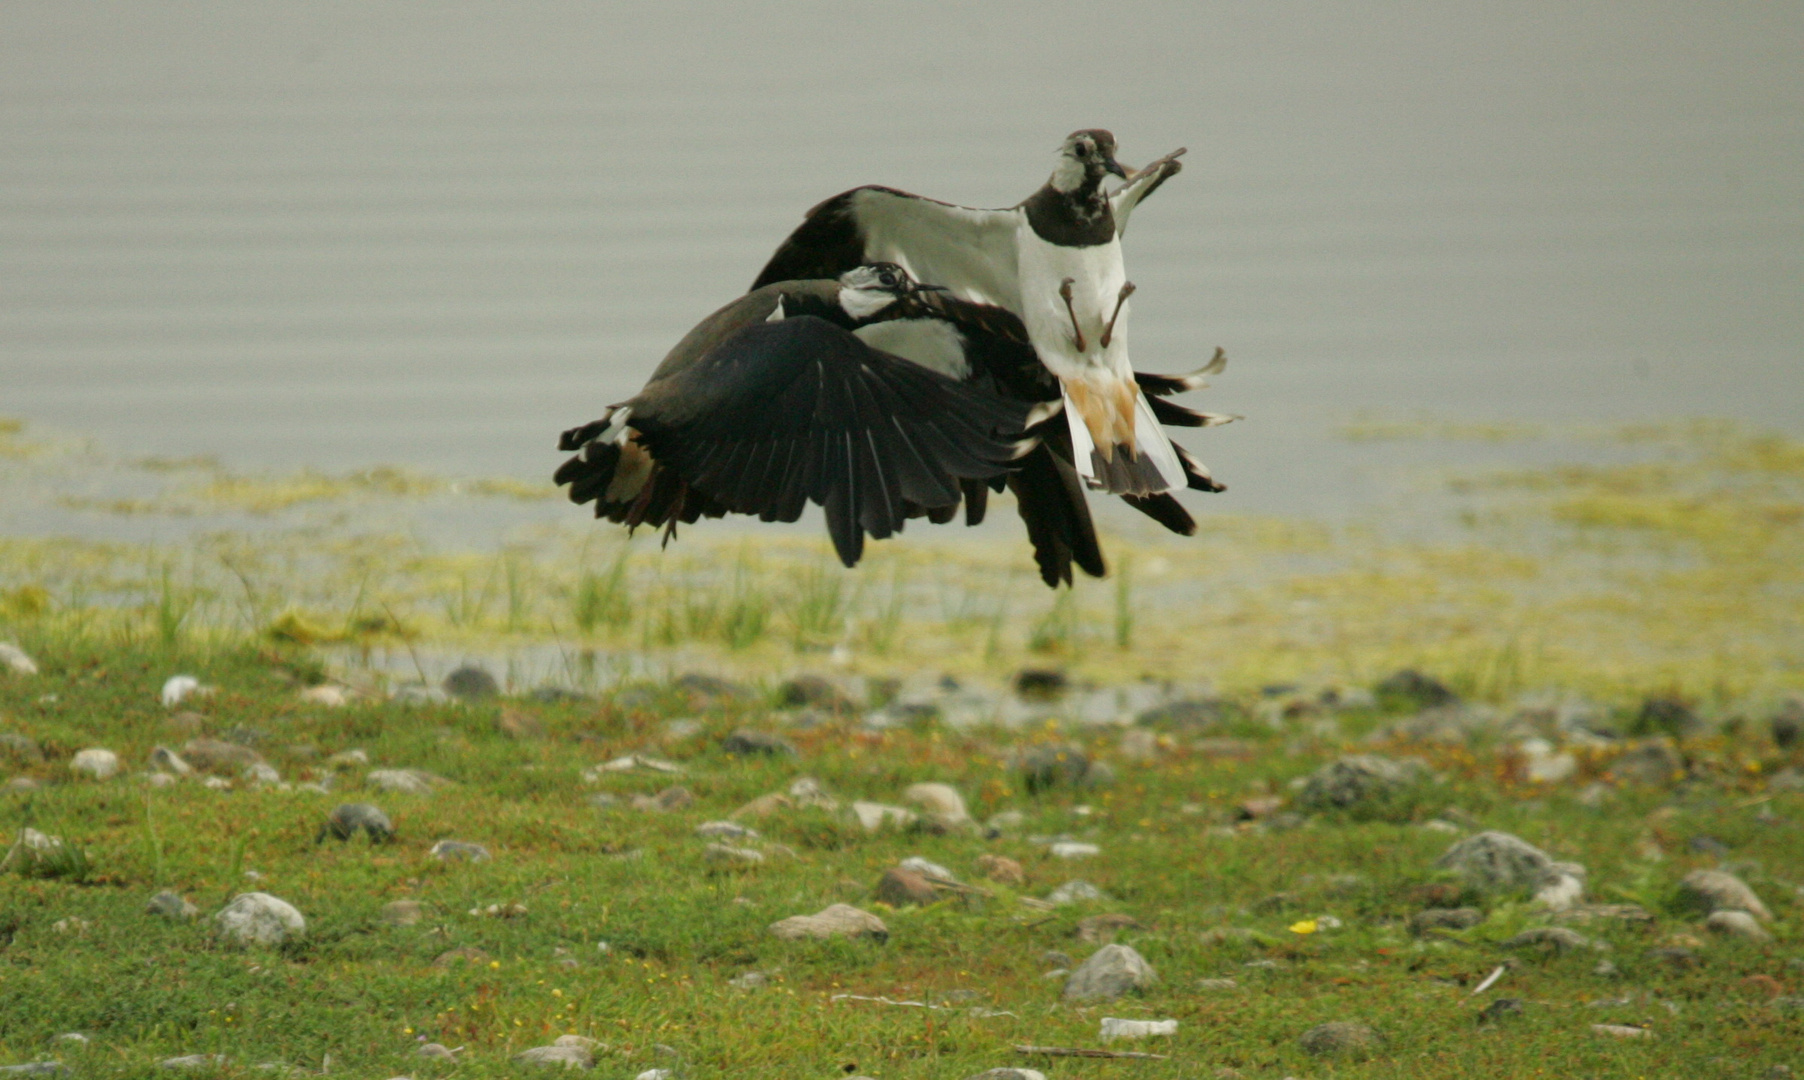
(931, 343)
(777, 314)
(1150, 439)
(971, 252)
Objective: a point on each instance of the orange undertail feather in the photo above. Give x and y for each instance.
(1106, 407)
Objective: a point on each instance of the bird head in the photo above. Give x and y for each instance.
(866, 290)
(1086, 156)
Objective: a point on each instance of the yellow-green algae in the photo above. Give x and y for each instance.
(1682, 570)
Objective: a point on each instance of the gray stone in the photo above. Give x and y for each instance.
(839, 920)
(1737, 924)
(927, 869)
(166, 760)
(814, 692)
(1008, 1074)
(260, 919)
(34, 1068)
(874, 816)
(1359, 780)
(97, 762)
(217, 755)
(471, 683)
(1338, 1038)
(171, 906)
(348, 819)
(1718, 890)
(725, 830)
(1465, 918)
(1497, 862)
(193, 1061)
(459, 851)
(727, 855)
(436, 1051)
(1110, 972)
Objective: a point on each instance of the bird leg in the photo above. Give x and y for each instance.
(1127, 290)
(1065, 292)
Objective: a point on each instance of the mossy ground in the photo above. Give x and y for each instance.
(366, 993)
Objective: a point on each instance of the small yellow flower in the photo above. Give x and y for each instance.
(1307, 926)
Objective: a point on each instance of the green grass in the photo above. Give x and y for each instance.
(364, 993)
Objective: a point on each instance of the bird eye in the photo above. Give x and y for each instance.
(888, 279)
(1083, 149)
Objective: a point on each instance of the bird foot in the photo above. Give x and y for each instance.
(1127, 290)
(1076, 333)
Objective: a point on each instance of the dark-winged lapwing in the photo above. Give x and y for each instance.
(1054, 260)
(772, 402)
(988, 346)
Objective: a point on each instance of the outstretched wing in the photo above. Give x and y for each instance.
(797, 411)
(1141, 184)
(971, 252)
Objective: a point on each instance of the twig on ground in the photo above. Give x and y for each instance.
(1074, 1051)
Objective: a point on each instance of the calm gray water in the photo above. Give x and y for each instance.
(336, 234)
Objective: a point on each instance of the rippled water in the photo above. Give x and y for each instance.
(334, 235)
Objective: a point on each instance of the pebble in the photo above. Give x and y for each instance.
(874, 816)
(1362, 780)
(260, 919)
(631, 763)
(1217, 984)
(97, 762)
(193, 1061)
(348, 819)
(1559, 938)
(815, 692)
(806, 791)
(747, 743)
(178, 688)
(1071, 849)
(1737, 924)
(1110, 972)
(733, 856)
(902, 887)
(941, 802)
(218, 755)
(170, 762)
(471, 683)
(750, 980)
(567, 1057)
(1008, 1074)
(1101, 929)
(1339, 1037)
(1497, 862)
(436, 1051)
(16, 660)
(1116, 1028)
(1622, 1031)
(34, 1068)
(171, 905)
(1075, 892)
(726, 830)
(459, 851)
(402, 912)
(1719, 890)
(671, 798)
(22, 783)
(839, 920)
(1001, 869)
(401, 781)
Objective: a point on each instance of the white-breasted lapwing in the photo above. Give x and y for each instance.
(1054, 261)
(772, 402)
(988, 347)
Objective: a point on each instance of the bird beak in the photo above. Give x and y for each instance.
(1115, 167)
(920, 287)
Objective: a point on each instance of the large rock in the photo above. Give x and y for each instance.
(1360, 781)
(1717, 890)
(215, 755)
(16, 660)
(260, 919)
(840, 920)
(1736, 924)
(1498, 862)
(1110, 972)
(901, 887)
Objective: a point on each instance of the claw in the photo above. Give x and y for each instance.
(1065, 292)
(1127, 290)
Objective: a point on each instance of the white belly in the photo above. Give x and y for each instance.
(1097, 275)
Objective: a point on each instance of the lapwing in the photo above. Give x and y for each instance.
(988, 346)
(1054, 261)
(773, 402)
